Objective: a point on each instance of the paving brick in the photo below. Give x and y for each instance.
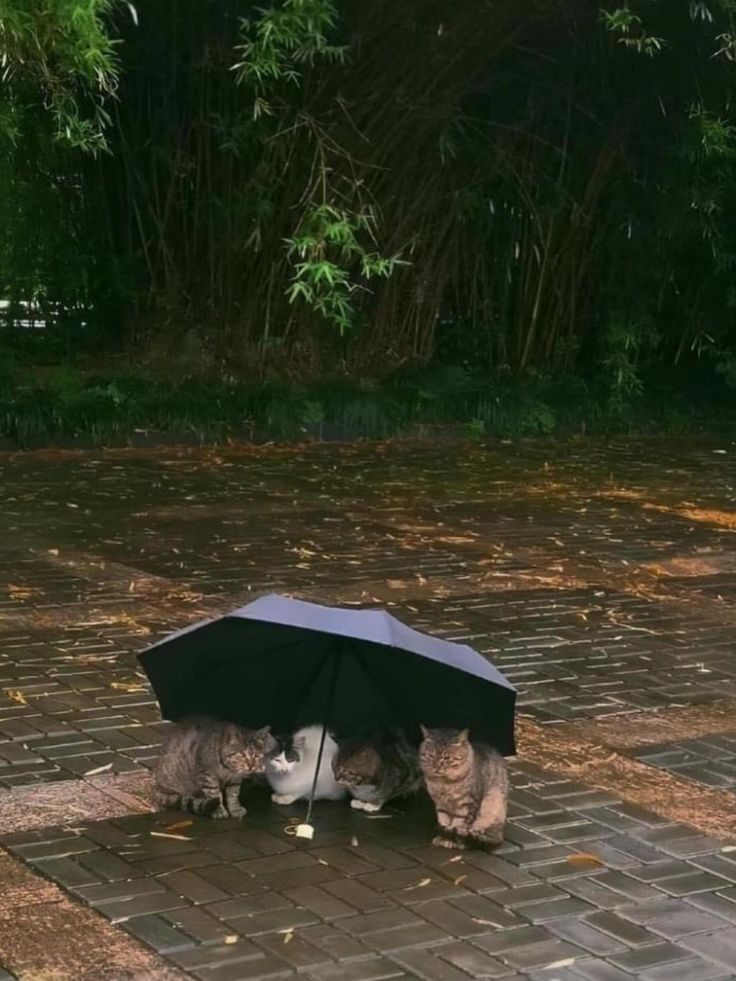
(359, 926)
(159, 934)
(621, 929)
(194, 888)
(426, 965)
(294, 950)
(505, 940)
(272, 921)
(692, 969)
(582, 934)
(121, 910)
(468, 922)
(319, 902)
(198, 924)
(419, 934)
(357, 895)
(599, 970)
(542, 912)
(336, 944)
(684, 885)
(526, 895)
(627, 886)
(66, 872)
(213, 955)
(672, 918)
(540, 955)
(719, 947)
(474, 962)
(261, 902)
(653, 955)
(375, 969)
(107, 867)
(714, 903)
(264, 969)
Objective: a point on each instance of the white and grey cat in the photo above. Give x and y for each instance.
(377, 767)
(469, 784)
(204, 762)
(290, 769)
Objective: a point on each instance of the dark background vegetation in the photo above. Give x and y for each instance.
(518, 216)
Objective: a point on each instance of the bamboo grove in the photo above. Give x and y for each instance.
(332, 186)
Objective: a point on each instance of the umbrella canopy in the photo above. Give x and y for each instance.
(285, 663)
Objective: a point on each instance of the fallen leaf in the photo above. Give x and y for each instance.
(129, 686)
(163, 834)
(377, 817)
(288, 935)
(231, 938)
(419, 885)
(585, 858)
(354, 841)
(16, 696)
(456, 858)
(98, 769)
(729, 848)
(566, 962)
(460, 878)
(178, 825)
(322, 861)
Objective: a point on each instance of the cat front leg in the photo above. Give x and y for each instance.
(370, 807)
(232, 801)
(443, 819)
(209, 798)
(169, 799)
(284, 799)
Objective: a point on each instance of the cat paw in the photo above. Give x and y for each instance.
(283, 799)
(371, 808)
(237, 812)
(441, 841)
(357, 805)
(219, 812)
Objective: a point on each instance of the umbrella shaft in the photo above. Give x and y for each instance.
(320, 752)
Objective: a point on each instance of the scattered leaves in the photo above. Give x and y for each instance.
(22, 592)
(585, 858)
(16, 696)
(178, 825)
(459, 880)
(288, 935)
(418, 885)
(477, 919)
(98, 769)
(354, 841)
(128, 686)
(565, 962)
(164, 834)
(231, 938)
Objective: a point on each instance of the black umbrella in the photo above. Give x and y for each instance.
(286, 663)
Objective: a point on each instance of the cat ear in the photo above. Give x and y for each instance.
(425, 732)
(263, 732)
(462, 736)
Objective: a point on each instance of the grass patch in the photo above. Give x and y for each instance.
(115, 408)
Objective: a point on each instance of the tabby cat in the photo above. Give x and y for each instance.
(204, 762)
(468, 783)
(376, 768)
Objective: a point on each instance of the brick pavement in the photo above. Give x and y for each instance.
(597, 577)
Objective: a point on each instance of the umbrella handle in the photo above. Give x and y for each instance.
(320, 752)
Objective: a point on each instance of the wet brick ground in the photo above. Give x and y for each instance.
(599, 578)
(710, 761)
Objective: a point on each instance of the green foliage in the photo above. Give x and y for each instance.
(59, 53)
(325, 247)
(280, 42)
